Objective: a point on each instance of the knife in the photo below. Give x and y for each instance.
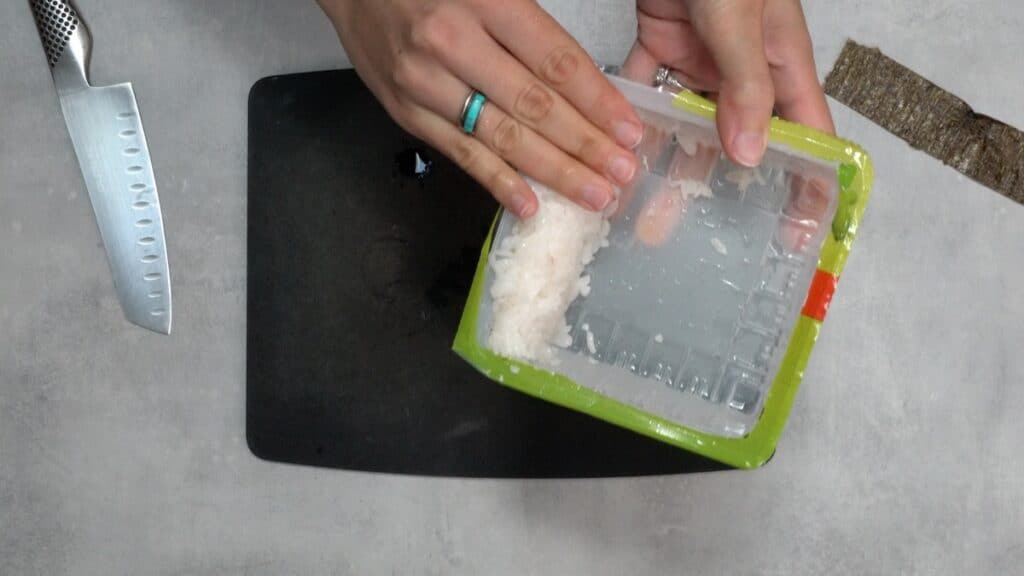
(106, 133)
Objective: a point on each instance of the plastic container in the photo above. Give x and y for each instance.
(703, 309)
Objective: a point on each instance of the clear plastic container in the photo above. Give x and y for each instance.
(695, 300)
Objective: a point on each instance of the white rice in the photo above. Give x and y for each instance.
(591, 344)
(538, 272)
(744, 177)
(689, 190)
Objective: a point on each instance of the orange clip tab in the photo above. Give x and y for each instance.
(820, 295)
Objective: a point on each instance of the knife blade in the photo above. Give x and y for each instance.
(106, 133)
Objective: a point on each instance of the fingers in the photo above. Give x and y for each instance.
(476, 159)
(647, 154)
(806, 209)
(732, 30)
(798, 93)
(514, 89)
(541, 160)
(663, 211)
(695, 164)
(550, 54)
(798, 97)
(640, 65)
(659, 217)
(516, 145)
(673, 42)
(808, 198)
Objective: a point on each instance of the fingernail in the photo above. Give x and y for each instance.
(749, 148)
(622, 168)
(597, 197)
(523, 206)
(629, 134)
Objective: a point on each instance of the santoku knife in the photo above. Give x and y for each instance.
(106, 132)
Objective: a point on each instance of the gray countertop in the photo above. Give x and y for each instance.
(124, 452)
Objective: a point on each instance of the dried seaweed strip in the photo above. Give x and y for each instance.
(929, 118)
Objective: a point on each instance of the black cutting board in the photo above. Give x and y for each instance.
(362, 243)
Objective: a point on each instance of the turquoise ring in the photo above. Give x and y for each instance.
(471, 109)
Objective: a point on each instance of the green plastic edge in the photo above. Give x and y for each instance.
(855, 175)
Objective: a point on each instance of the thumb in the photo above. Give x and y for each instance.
(733, 31)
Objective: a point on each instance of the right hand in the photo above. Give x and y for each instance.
(751, 56)
(550, 112)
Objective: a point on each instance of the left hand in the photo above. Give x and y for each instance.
(550, 113)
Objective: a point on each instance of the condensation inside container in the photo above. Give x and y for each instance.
(694, 300)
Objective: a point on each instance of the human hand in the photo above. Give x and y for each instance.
(752, 56)
(550, 112)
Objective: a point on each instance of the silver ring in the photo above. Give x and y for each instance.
(664, 78)
(465, 106)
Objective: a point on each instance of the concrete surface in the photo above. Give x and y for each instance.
(123, 452)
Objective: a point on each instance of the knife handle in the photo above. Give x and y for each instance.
(65, 38)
